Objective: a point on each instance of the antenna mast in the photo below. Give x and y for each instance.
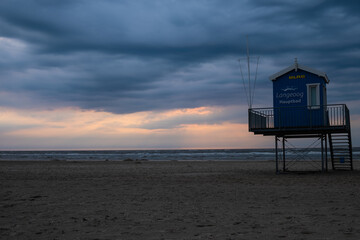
(248, 65)
(249, 90)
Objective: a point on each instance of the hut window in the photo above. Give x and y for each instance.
(313, 94)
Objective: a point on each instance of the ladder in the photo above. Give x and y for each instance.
(341, 150)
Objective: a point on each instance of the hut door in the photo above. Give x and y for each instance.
(313, 93)
(315, 108)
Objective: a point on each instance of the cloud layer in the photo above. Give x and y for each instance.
(155, 58)
(130, 56)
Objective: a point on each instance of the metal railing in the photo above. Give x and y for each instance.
(325, 116)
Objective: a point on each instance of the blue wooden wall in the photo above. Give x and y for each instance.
(290, 100)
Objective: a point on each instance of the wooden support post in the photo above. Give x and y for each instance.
(326, 153)
(283, 145)
(322, 153)
(276, 155)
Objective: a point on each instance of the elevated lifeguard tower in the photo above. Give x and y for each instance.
(300, 110)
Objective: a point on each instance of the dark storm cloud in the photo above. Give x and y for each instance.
(128, 56)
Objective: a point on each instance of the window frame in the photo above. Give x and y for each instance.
(317, 86)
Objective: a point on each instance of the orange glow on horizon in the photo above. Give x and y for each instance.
(177, 128)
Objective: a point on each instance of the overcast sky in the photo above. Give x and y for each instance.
(172, 65)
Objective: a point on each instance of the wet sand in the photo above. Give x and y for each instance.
(175, 200)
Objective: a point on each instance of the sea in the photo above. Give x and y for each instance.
(155, 155)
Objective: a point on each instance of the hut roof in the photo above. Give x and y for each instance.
(297, 66)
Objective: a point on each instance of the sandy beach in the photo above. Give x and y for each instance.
(175, 200)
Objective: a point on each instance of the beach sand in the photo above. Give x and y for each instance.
(175, 200)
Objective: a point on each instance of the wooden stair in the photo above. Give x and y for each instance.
(341, 150)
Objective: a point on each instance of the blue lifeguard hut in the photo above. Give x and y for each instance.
(300, 110)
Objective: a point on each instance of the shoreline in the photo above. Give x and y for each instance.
(130, 160)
